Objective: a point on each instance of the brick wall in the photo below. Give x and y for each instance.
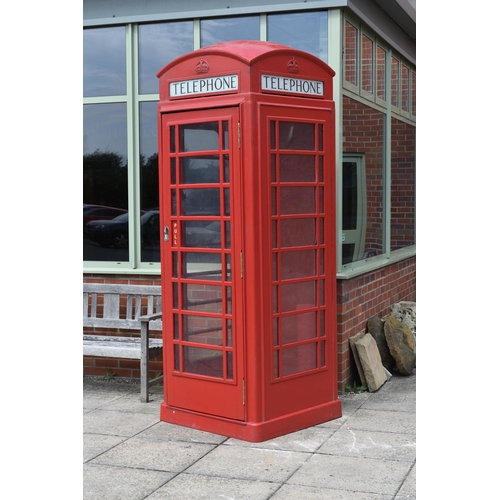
(360, 298)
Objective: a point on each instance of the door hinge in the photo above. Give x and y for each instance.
(243, 390)
(239, 135)
(241, 264)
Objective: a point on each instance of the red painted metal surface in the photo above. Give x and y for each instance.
(247, 200)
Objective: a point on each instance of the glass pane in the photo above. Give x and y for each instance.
(403, 186)
(199, 170)
(297, 168)
(298, 327)
(349, 195)
(199, 361)
(202, 266)
(381, 73)
(199, 137)
(200, 202)
(298, 359)
(199, 297)
(105, 183)
(297, 200)
(296, 296)
(307, 31)
(175, 295)
(405, 89)
(202, 330)
(229, 28)
(364, 191)
(395, 82)
(159, 44)
(413, 94)
(295, 135)
(298, 264)
(104, 62)
(367, 65)
(201, 234)
(297, 232)
(150, 220)
(229, 332)
(229, 364)
(350, 53)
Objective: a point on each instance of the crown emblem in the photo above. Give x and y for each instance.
(293, 66)
(202, 66)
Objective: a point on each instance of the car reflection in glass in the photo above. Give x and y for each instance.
(114, 232)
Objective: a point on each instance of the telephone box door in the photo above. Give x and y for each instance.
(298, 159)
(201, 259)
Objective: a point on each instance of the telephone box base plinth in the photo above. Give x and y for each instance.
(254, 432)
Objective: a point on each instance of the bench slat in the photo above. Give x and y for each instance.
(118, 347)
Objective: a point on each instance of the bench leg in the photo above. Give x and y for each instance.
(144, 361)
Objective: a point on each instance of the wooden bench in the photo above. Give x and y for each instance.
(123, 306)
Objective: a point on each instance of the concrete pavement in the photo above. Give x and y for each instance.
(367, 454)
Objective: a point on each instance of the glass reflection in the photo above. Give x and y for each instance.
(160, 44)
(105, 183)
(104, 62)
(307, 31)
(402, 184)
(150, 220)
(229, 28)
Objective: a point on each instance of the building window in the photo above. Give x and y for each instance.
(395, 90)
(307, 31)
(160, 44)
(363, 187)
(405, 89)
(402, 184)
(367, 64)
(104, 62)
(381, 87)
(350, 54)
(229, 28)
(413, 94)
(105, 183)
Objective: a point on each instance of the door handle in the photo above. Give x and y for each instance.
(165, 233)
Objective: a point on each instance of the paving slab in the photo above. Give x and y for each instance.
(168, 456)
(370, 444)
(198, 487)
(360, 474)
(96, 444)
(120, 483)
(117, 423)
(254, 464)
(164, 431)
(383, 421)
(297, 492)
(306, 440)
(408, 489)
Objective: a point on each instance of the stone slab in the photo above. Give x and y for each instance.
(371, 362)
(352, 343)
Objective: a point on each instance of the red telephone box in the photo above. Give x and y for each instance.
(247, 194)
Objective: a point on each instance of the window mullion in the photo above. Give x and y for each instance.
(133, 146)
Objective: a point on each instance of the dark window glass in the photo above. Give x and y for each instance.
(104, 71)
(105, 236)
(150, 223)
